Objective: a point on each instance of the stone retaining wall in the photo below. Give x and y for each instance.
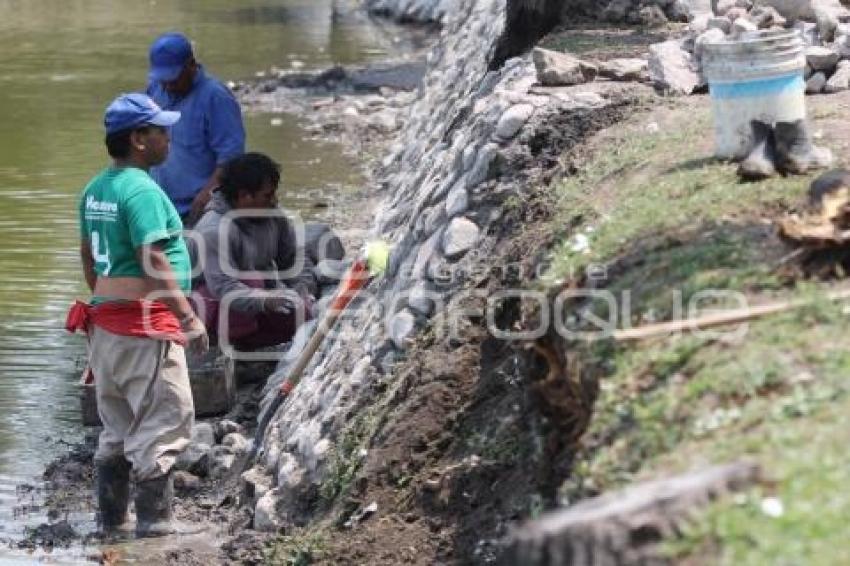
(461, 154)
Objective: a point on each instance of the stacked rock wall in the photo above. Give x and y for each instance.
(425, 166)
(413, 11)
(646, 12)
(467, 141)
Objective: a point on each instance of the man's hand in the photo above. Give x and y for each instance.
(196, 332)
(198, 205)
(287, 301)
(283, 302)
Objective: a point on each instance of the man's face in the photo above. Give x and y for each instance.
(155, 141)
(266, 197)
(183, 83)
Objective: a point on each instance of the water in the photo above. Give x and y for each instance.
(61, 62)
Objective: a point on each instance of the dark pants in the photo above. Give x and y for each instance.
(246, 331)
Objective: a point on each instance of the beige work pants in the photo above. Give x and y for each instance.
(143, 398)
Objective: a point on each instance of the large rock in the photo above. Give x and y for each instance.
(699, 24)
(713, 35)
(827, 23)
(624, 69)
(840, 80)
(265, 513)
(805, 9)
(616, 11)
(484, 167)
(222, 461)
(722, 23)
(561, 69)
(402, 325)
(652, 16)
(203, 433)
(460, 236)
(236, 442)
(513, 120)
(457, 202)
(680, 11)
(766, 17)
(821, 58)
(743, 25)
(722, 7)
(842, 46)
(196, 459)
(816, 83)
(671, 69)
(421, 298)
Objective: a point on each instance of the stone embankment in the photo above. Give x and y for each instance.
(472, 142)
(413, 11)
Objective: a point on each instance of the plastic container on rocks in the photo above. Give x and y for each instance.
(758, 76)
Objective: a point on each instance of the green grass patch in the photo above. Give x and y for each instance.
(345, 460)
(656, 397)
(644, 185)
(669, 223)
(300, 549)
(809, 459)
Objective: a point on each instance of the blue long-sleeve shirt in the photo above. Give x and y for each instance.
(210, 132)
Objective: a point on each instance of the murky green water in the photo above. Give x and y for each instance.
(61, 62)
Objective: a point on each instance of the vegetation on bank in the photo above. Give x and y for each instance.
(668, 222)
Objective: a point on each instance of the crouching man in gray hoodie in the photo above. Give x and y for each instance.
(241, 244)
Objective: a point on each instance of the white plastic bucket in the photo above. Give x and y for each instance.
(756, 77)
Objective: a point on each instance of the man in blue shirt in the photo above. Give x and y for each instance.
(209, 133)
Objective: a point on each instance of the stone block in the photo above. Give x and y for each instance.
(561, 69)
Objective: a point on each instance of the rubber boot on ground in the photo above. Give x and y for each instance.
(795, 153)
(760, 162)
(153, 506)
(113, 494)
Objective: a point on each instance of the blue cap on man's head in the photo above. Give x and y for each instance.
(168, 55)
(134, 110)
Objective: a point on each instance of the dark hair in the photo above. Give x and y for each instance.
(247, 172)
(828, 182)
(118, 143)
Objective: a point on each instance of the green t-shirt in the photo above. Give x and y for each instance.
(122, 209)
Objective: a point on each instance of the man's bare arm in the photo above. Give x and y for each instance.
(161, 278)
(88, 264)
(203, 197)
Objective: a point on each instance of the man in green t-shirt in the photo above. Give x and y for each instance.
(137, 266)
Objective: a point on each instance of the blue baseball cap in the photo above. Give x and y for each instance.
(168, 55)
(136, 109)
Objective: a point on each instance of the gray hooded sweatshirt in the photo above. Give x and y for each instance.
(264, 243)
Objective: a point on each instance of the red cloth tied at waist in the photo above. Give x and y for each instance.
(141, 319)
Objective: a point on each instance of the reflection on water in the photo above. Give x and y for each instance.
(61, 62)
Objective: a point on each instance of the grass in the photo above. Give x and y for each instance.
(642, 184)
(300, 549)
(811, 466)
(669, 223)
(604, 42)
(345, 459)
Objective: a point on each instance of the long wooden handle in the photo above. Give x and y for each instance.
(354, 280)
(725, 318)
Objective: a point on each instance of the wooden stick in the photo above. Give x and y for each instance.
(725, 318)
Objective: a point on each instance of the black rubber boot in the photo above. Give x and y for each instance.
(759, 163)
(113, 493)
(795, 153)
(153, 506)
